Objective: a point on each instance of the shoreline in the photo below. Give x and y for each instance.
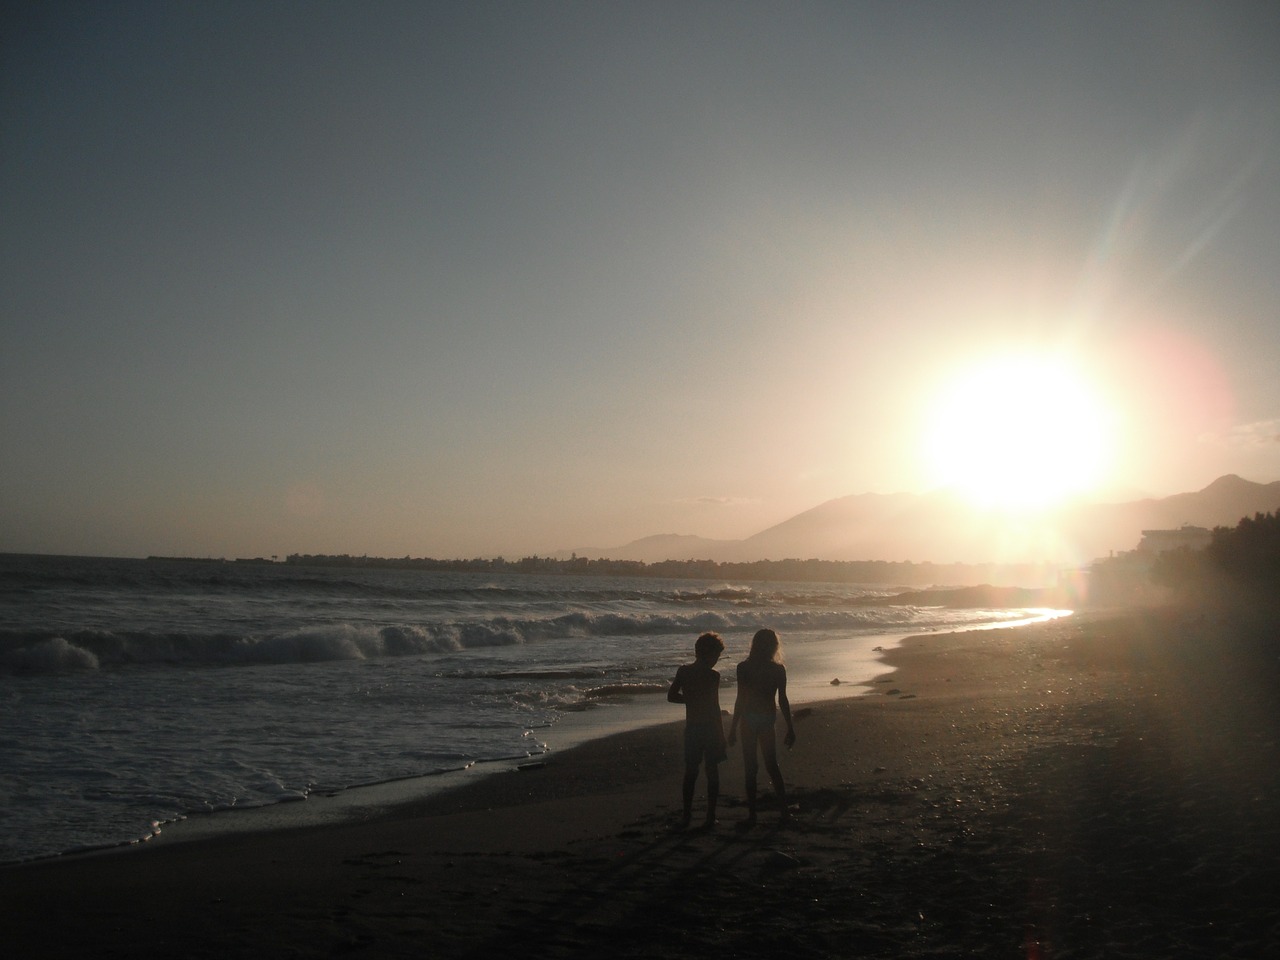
(381, 799)
(374, 799)
(1099, 786)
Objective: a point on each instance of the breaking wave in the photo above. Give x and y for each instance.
(51, 653)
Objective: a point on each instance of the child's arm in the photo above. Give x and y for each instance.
(675, 694)
(785, 706)
(733, 722)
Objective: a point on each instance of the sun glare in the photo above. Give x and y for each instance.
(1018, 432)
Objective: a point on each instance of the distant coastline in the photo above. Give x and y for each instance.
(872, 572)
(888, 572)
(263, 560)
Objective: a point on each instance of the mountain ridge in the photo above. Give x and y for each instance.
(938, 527)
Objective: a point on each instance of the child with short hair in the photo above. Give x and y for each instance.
(697, 686)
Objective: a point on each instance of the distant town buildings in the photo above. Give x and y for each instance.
(1126, 577)
(1156, 542)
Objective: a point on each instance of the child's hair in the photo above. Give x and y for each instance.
(765, 646)
(707, 644)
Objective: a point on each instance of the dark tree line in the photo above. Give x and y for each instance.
(1240, 562)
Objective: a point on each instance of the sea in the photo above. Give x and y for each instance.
(136, 694)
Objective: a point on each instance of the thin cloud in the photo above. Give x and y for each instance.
(1260, 433)
(723, 501)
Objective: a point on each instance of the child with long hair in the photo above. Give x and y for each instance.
(761, 677)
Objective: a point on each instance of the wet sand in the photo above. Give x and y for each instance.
(1101, 786)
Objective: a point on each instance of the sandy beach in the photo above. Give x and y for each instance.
(1101, 786)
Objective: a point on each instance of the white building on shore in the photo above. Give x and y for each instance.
(1156, 542)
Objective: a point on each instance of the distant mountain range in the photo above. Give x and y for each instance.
(940, 528)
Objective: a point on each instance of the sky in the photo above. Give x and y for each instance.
(474, 279)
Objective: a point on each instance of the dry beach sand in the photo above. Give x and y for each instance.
(1099, 786)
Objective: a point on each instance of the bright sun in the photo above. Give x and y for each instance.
(1018, 432)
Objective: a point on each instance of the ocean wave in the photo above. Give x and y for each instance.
(538, 675)
(613, 691)
(51, 655)
(575, 699)
(725, 592)
(160, 580)
(73, 651)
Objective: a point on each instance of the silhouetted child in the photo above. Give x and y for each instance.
(760, 677)
(697, 686)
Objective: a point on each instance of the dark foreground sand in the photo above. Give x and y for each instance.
(1094, 787)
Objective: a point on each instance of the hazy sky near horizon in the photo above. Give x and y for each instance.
(455, 279)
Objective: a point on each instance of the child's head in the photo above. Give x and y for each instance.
(708, 647)
(764, 646)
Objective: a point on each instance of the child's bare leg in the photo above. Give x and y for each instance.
(750, 766)
(713, 792)
(770, 749)
(690, 781)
